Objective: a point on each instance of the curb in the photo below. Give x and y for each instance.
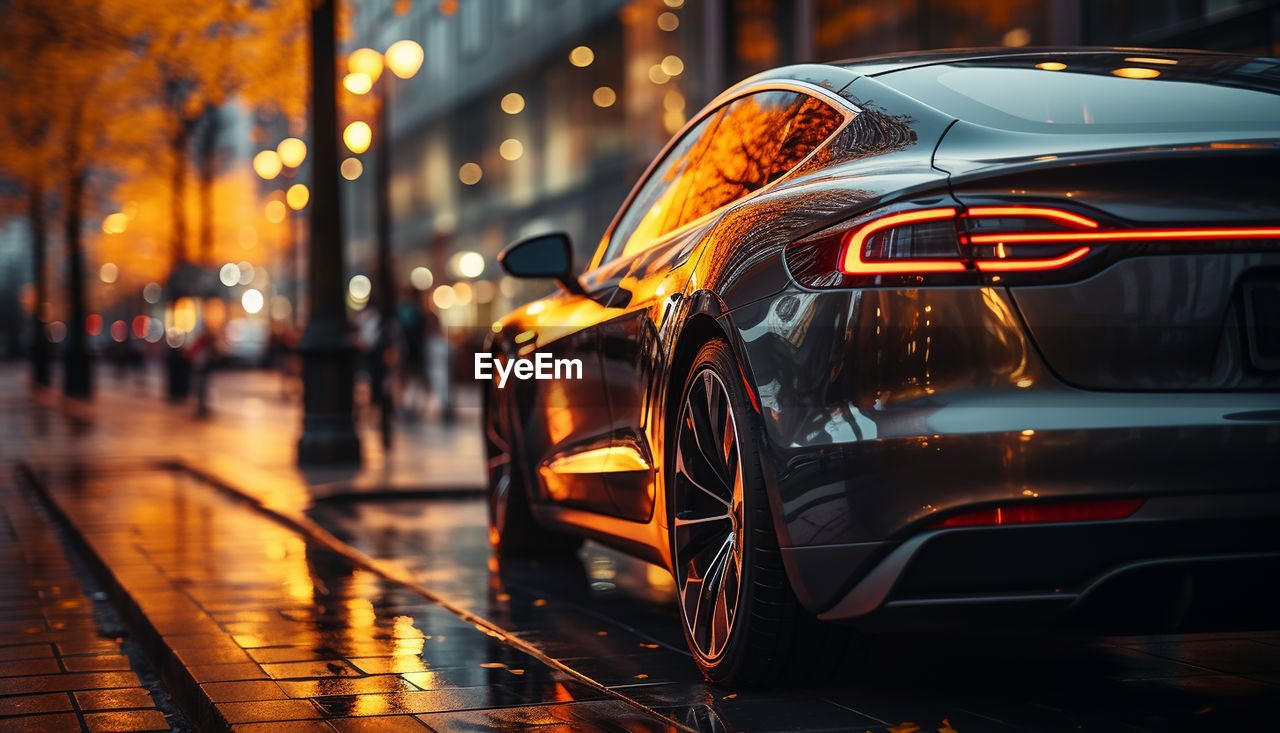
(186, 692)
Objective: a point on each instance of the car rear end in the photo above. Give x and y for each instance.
(1054, 392)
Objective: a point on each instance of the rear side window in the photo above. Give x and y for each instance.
(740, 148)
(759, 138)
(656, 207)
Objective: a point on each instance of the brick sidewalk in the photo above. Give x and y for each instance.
(256, 629)
(57, 672)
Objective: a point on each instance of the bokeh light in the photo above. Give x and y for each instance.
(297, 196)
(357, 82)
(511, 149)
(292, 151)
(275, 211)
(581, 56)
(404, 58)
(357, 136)
(470, 264)
(108, 273)
(229, 275)
(252, 301)
(470, 174)
(115, 223)
(267, 164)
(359, 288)
(365, 61)
(604, 97)
(421, 278)
(351, 168)
(443, 297)
(512, 103)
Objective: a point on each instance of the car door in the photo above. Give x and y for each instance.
(651, 211)
(565, 420)
(748, 144)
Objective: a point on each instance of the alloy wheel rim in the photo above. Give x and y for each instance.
(707, 522)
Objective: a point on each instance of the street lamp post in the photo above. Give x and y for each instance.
(403, 59)
(328, 354)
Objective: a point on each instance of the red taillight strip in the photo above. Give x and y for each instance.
(1049, 264)
(1065, 217)
(1063, 511)
(1128, 235)
(851, 262)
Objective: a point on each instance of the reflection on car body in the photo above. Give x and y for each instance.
(956, 337)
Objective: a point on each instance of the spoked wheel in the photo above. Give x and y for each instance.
(740, 616)
(513, 532)
(707, 522)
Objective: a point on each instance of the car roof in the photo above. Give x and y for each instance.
(887, 63)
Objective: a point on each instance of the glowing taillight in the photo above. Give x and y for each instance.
(968, 243)
(1064, 511)
(866, 251)
(1007, 244)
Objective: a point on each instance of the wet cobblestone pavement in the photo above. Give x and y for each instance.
(614, 619)
(270, 632)
(268, 610)
(57, 669)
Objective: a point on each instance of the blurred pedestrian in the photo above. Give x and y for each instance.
(377, 339)
(437, 363)
(411, 328)
(203, 353)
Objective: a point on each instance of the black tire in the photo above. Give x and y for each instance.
(769, 636)
(513, 531)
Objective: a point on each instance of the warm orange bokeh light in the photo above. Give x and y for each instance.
(297, 196)
(292, 151)
(357, 83)
(365, 61)
(357, 136)
(267, 164)
(404, 58)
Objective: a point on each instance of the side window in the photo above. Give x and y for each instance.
(760, 137)
(656, 208)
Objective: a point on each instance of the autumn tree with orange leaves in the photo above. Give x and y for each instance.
(97, 92)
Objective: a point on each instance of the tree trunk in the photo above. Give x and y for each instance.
(178, 196)
(212, 123)
(77, 377)
(39, 253)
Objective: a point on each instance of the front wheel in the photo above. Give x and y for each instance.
(740, 616)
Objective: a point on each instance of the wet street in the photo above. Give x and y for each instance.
(614, 618)
(268, 600)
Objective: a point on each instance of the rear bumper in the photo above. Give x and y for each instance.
(1179, 561)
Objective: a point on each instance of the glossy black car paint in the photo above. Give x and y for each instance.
(887, 408)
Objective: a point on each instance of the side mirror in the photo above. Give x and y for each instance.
(542, 256)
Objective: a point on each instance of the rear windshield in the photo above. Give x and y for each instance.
(1091, 94)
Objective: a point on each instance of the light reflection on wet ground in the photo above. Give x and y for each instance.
(273, 629)
(613, 618)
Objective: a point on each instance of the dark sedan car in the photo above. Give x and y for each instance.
(974, 337)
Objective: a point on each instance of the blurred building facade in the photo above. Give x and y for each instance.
(535, 115)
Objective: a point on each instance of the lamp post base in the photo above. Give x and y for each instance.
(328, 424)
